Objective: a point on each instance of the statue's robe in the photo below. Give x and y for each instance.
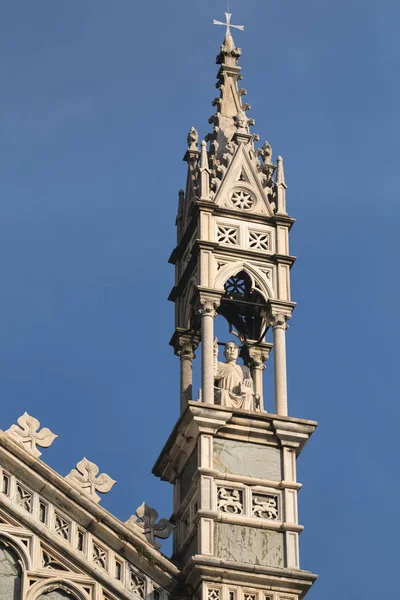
(230, 390)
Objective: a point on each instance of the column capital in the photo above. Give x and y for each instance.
(257, 355)
(279, 321)
(278, 313)
(186, 344)
(208, 302)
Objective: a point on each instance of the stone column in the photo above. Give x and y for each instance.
(277, 314)
(258, 355)
(280, 375)
(208, 314)
(185, 348)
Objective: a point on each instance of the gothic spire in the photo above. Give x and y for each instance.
(230, 117)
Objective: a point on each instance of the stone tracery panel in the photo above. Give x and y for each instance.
(259, 240)
(227, 235)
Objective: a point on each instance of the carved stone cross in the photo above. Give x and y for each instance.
(86, 478)
(228, 24)
(29, 434)
(146, 519)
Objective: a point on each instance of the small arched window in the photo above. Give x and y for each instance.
(243, 305)
(56, 594)
(10, 573)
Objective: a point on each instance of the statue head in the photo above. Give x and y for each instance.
(241, 121)
(231, 352)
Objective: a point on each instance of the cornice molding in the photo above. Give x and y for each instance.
(264, 428)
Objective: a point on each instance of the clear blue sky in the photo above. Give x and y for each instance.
(97, 98)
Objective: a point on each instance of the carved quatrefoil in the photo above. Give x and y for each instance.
(242, 200)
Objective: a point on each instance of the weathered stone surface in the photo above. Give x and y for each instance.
(188, 471)
(57, 594)
(251, 460)
(190, 551)
(243, 544)
(10, 574)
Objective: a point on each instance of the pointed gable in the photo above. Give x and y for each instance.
(240, 188)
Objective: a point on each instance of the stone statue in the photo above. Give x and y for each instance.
(233, 382)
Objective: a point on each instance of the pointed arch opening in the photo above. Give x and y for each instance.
(243, 306)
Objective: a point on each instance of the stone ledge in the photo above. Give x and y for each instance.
(256, 427)
(265, 524)
(202, 567)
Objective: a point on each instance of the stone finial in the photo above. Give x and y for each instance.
(229, 54)
(267, 167)
(29, 434)
(204, 156)
(280, 173)
(86, 478)
(193, 139)
(265, 153)
(146, 518)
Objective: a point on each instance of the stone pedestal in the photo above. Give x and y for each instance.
(235, 502)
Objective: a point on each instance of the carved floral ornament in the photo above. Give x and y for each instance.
(146, 518)
(208, 307)
(242, 199)
(279, 321)
(85, 477)
(30, 436)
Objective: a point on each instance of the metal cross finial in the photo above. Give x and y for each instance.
(228, 24)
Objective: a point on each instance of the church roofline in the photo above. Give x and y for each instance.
(53, 487)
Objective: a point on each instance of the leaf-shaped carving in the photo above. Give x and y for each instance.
(29, 434)
(86, 477)
(147, 519)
